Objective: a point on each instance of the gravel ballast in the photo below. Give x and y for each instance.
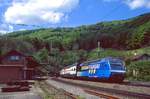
(137, 89)
(71, 89)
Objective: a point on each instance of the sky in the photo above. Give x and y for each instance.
(19, 15)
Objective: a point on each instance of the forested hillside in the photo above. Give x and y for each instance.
(125, 34)
(63, 46)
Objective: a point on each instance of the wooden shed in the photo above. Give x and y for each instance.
(16, 66)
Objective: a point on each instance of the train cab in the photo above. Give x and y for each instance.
(117, 70)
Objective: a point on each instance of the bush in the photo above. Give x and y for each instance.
(139, 70)
(147, 78)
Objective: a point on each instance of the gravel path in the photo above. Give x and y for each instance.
(71, 89)
(32, 94)
(22, 95)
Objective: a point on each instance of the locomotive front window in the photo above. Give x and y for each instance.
(117, 65)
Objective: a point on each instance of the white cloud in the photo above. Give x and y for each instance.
(6, 28)
(134, 4)
(39, 11)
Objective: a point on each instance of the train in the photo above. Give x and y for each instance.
(105, 69)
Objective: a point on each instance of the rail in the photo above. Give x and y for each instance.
(101, 95)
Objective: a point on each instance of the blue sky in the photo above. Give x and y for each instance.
(16, 15)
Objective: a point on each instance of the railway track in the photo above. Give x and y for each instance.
(108, 90)
(129, 83)
(101, 95)
(135, 84)
(91, 92)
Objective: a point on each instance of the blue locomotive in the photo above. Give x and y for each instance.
(110, 69)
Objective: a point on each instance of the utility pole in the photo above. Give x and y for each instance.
(0, 36)
(50, 51)
(98, 45)
(22, 36)
(6, 41)
(51, 46)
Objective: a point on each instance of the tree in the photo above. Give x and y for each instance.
(42, 55)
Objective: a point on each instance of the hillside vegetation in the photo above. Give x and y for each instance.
(125, 34)
(63, 46)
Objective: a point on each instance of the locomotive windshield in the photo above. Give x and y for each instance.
(117, 65)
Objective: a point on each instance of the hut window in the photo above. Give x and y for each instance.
(14, 58)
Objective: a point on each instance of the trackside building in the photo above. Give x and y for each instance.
(17, 66)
